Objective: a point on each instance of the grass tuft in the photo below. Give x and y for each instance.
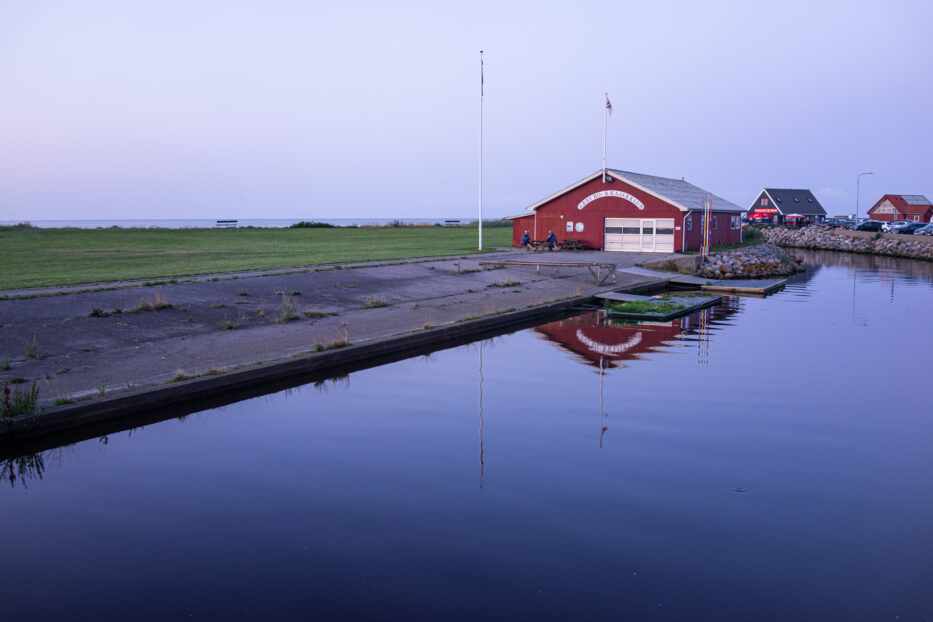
(374, 302)
(288, 310)
(179, 376)
(32, 350)
(19, 401)
(152, 303)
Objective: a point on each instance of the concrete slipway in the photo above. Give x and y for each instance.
(220, 330)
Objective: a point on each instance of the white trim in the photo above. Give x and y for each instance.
(619, 194)
(773, 202)
(683, 230)
(652, 193)
(564, 191)
(619, 177)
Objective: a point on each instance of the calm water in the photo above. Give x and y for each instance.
(769, 459)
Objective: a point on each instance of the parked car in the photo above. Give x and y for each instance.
(907, 229)
(868, 225)
(926, 229)
(888, 226)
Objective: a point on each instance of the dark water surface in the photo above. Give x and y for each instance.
(768, 459)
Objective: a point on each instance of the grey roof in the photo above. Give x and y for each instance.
(795, 201)
(678, 192)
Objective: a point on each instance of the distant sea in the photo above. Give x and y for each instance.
(207, 223)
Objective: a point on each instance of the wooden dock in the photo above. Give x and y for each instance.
(690, 304)
(746, 287)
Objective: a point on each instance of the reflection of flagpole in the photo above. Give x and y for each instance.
(602, 428)
(480, 223)
(482, 466)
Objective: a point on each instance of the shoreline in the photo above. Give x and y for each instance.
(117, 365)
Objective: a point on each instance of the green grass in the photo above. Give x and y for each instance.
(654, 307)
(18, 401)
(33, 257)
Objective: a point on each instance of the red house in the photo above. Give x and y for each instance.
(915, 207)
(631, 212)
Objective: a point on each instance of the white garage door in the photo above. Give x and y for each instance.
(645, 235)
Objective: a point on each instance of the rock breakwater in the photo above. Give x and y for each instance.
(751, 262)
(829, 239)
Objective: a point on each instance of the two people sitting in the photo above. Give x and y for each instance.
(550, 241)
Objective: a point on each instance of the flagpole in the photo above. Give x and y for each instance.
(480, 150)
(605, 127)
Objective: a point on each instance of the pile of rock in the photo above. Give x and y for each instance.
(837, 240)
(751, 262)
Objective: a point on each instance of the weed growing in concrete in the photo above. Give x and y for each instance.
(218, 305)
(17, 401)
(215, 371)
(295, 293)
(101, 389)
(375, 301)
(333, 345)
(289, 310)
(260, 312)
(316, 315)
(242, 292)
(95, 312)
(228, 324)
(5, 365)
(17, 380)
(153, 303)
(63, 370)
(505, 283)
(61, 401)
(178, 377)
(32, 350)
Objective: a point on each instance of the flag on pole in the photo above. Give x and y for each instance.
(608, 104)
(481, 81)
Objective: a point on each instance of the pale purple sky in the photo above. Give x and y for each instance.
(371, 109)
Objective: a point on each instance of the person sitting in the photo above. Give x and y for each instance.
(551, 241)
(526, 241)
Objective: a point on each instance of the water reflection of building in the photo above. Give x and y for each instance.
(604, 342)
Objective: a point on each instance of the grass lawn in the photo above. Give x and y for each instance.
(33, 257)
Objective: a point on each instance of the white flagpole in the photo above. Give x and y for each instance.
(480, 150)
(605, 126)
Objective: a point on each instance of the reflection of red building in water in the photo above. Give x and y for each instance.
(602, 342)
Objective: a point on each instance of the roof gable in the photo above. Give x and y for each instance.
(906, 204)
(795, 201)
(677, 192)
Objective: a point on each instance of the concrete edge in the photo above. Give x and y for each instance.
(68, 417)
